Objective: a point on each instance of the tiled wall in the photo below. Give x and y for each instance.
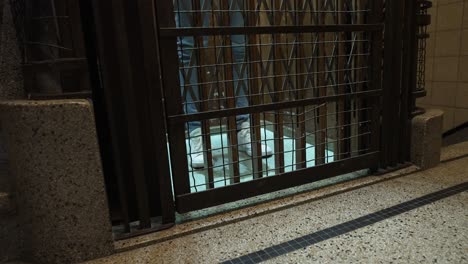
(447, 62)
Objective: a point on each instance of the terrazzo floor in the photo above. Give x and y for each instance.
(433, 233)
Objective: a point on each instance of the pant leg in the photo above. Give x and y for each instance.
(238, 51)
(186, 55)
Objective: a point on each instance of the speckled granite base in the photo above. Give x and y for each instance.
(10, 238)
(54, 159)
(6, 204)
(426, 138)
(437, 231)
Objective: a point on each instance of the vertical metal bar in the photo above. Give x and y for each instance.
(107, 98)
(352, 130)
(300, 137)
(127, 81)
(142, 125)
(1, 19)
(396, 51)
(56, 23)
(254, 89)
(363, 114)
(278, 95)
(62, 30)
(203, 92)
(217, 57)
(409, 70)
(158, 146)
(321, 121)
(27, 22)
(76, 32)
(131, 64)
(375, 73)
(388, 85)
(231, 100)
(392, 82)
(53, 33)
(75, 28)
(341, 88)
(173, 98)
(137, 167)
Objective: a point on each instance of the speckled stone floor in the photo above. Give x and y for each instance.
(433, 233)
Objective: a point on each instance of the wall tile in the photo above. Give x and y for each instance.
(423, 105)
(433, 12)
(460, 117)
(430, 44)
(465, 15)
(464, 41)
(426, 99)
(445, 2)
(449, 16)
(429, 69)
(448, 117)
(462, 95)
(421, 101)
(448, 43)
(463, 73)
(429, 88)
(444, 93)
(447, 62)
(445, 68)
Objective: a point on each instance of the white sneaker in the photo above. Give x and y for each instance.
(244, 141)
(197, 159)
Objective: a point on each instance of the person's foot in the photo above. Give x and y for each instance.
(244, 141)
(197, 159)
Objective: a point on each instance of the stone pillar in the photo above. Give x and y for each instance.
(60, 191)
(426, 138)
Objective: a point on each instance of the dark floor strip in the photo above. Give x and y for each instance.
(334, 231)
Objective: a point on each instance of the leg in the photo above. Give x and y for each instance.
(189, 78)
(241, 83)
(240, 75)
(187, 56)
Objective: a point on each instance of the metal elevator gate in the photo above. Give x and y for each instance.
(309, 68)
(329, 86)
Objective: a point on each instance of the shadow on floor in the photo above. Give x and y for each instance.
(455, 136)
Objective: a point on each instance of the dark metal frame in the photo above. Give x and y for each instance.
(405, 46)
(131, 56)
(128, 92)
(136, 58)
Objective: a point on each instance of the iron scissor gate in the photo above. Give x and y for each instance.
(305, 75)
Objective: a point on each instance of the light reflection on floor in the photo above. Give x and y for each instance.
(219, 143)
